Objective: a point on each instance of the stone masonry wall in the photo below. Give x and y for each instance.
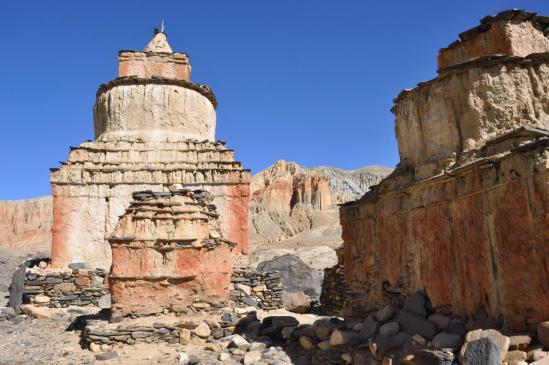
(58, 288)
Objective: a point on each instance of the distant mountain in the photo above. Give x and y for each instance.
(26, 224)
(290, 201)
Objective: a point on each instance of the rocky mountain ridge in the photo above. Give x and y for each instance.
(26, 224)
(288, 199)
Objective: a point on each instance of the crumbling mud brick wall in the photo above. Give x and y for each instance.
(465, 214)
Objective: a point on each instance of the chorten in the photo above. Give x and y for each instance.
(154, 130)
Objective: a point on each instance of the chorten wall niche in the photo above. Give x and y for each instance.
(167, 253)
(154, 130)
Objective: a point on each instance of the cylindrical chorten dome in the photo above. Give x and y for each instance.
(153, 99)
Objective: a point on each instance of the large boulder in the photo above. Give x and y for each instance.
(295, 274)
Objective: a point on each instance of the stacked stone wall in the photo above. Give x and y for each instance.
(60, 288)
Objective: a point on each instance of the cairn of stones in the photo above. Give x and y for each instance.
(154, 130)
(168, 254)
(464, 215)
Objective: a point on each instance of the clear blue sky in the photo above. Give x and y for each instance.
(309, 81)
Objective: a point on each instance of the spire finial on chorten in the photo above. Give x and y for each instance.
(159, 43)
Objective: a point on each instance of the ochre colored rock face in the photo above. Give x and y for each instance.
(464, 215)
(26, 224)
(167, 252)
(154, 130)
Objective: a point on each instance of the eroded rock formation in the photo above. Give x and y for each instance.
(154, 129)
(25, 224)
(167, 253)
(288, 199)
(465, 214)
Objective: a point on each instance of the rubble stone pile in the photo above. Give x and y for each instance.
(59, 288)
(257, 289)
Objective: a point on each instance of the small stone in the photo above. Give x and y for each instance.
(324, 345)
(42, 264)
(347, 357)
(249, 301)
(194, 360)
(501, 341)
(105, 347)
(431, 357)
(251, 357)
(201, 305)
(224, 356)
(519, 342)
(306, 342)
(543, 333)
(140, 334)
(286, 332)
(257, 346)
(106, 356)
(389, 329)
(538, 355)
(323, 331)
(82, 281)
(41, 299)
(183, 358)
(229, 317)
(447, 340)
(244, 288)
(440, 321)
(105, 301)
(369, 328)
(419, 340)
(297, 302)
(416, 304)
(184, 336)
(338, 338)
(259, 288)
(37, 312)
(515, 356)
(203, 330)
(384, 314)
(357, 327)
(412, 324)
(483, 351)
(279, 322)
(387, 361)
(77, 265)
(95, 347)
(237, 341)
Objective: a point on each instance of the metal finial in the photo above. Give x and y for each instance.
(162, 28)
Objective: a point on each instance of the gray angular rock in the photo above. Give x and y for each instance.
(107, 356)
(369, 328)
(501, 341)
(440, 321)
(483, 351)
(416, 304)
(543, 333)
(447, 341)
(412, 324)
(389, 329)
(384, 314)
(295, 274)
(433, 357)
